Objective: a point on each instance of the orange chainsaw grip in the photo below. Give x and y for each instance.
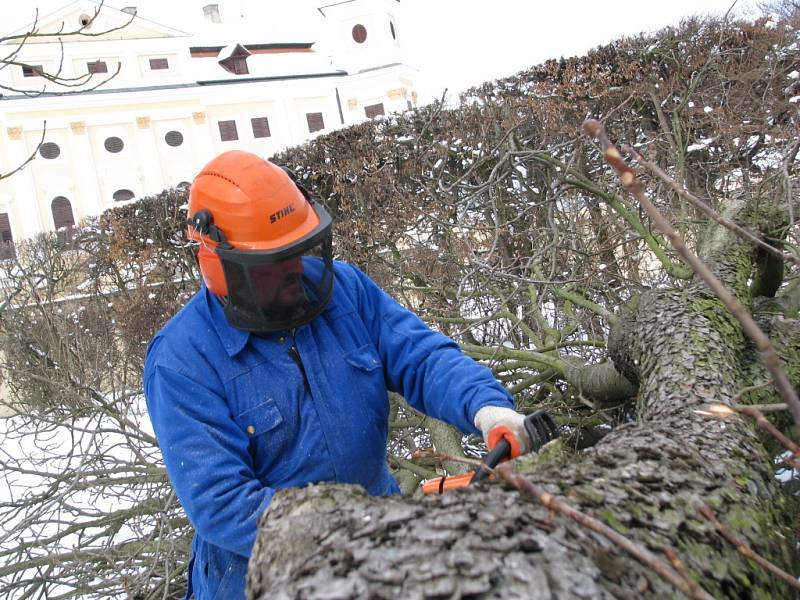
(503, 432)
(440, 485)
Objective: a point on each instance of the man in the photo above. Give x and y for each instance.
(275, 374)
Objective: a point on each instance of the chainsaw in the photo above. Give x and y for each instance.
(540, 429)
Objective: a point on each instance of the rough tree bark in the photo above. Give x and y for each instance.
(646, 480)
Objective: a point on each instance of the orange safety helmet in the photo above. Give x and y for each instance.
(253, 223)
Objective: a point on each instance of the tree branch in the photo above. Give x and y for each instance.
(631, 183)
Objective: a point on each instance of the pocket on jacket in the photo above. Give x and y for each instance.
(364, 358)
(367, 389)
(260, 419)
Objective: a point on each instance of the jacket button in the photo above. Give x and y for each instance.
(251, 430)
(281, 339)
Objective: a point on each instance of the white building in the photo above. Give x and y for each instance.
(192, 80)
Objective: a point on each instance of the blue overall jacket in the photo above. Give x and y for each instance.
(238, 415)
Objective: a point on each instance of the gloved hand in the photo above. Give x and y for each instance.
(498, 422)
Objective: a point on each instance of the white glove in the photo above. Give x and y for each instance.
(498, 422)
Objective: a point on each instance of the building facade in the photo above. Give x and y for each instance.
(163, 91)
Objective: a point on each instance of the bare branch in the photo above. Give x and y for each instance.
(745, 550)
(707, 210)
(631, 183)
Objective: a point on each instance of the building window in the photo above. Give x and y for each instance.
(62, 212)
(32, 70)
(234, 59)
(159, 64)
(260, 127)
(238, 65)
(123, 195)
(359, 34)
(114, 144)
(227, 131)
(63, 220)
(49, 150)
(174, 138)
(315, 122)
(98, 66)
(374, 110)
(6, 239)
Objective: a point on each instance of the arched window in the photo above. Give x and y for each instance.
(63, 220)
(123, 195)
(6, 238)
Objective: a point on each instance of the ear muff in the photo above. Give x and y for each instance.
(211, 268)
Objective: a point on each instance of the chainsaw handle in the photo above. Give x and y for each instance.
(501, 450)
(540, 428)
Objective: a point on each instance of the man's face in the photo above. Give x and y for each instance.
(279, 285)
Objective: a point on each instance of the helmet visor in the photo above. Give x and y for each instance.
(271, 290)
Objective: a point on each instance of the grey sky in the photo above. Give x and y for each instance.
(485, 40)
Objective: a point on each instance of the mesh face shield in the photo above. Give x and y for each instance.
(282, 288)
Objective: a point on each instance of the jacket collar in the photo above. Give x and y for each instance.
(233, 340)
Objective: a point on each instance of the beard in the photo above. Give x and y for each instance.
(290, 303)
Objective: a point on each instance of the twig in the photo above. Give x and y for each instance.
(745, 550)
(785, 164)
(767, 408)
(723, 411)
(758, 416)
(753, 388)
(442, 457)
(728, 12)
(30, 158)
(641, 554)
(632, 184)
(680, 567)
(413, 467)
(707, 210)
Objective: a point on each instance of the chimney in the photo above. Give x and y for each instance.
(211, 12)
(131, 10)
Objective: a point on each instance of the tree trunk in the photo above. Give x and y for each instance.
(646, 480)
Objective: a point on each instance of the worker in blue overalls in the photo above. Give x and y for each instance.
(275, 374)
